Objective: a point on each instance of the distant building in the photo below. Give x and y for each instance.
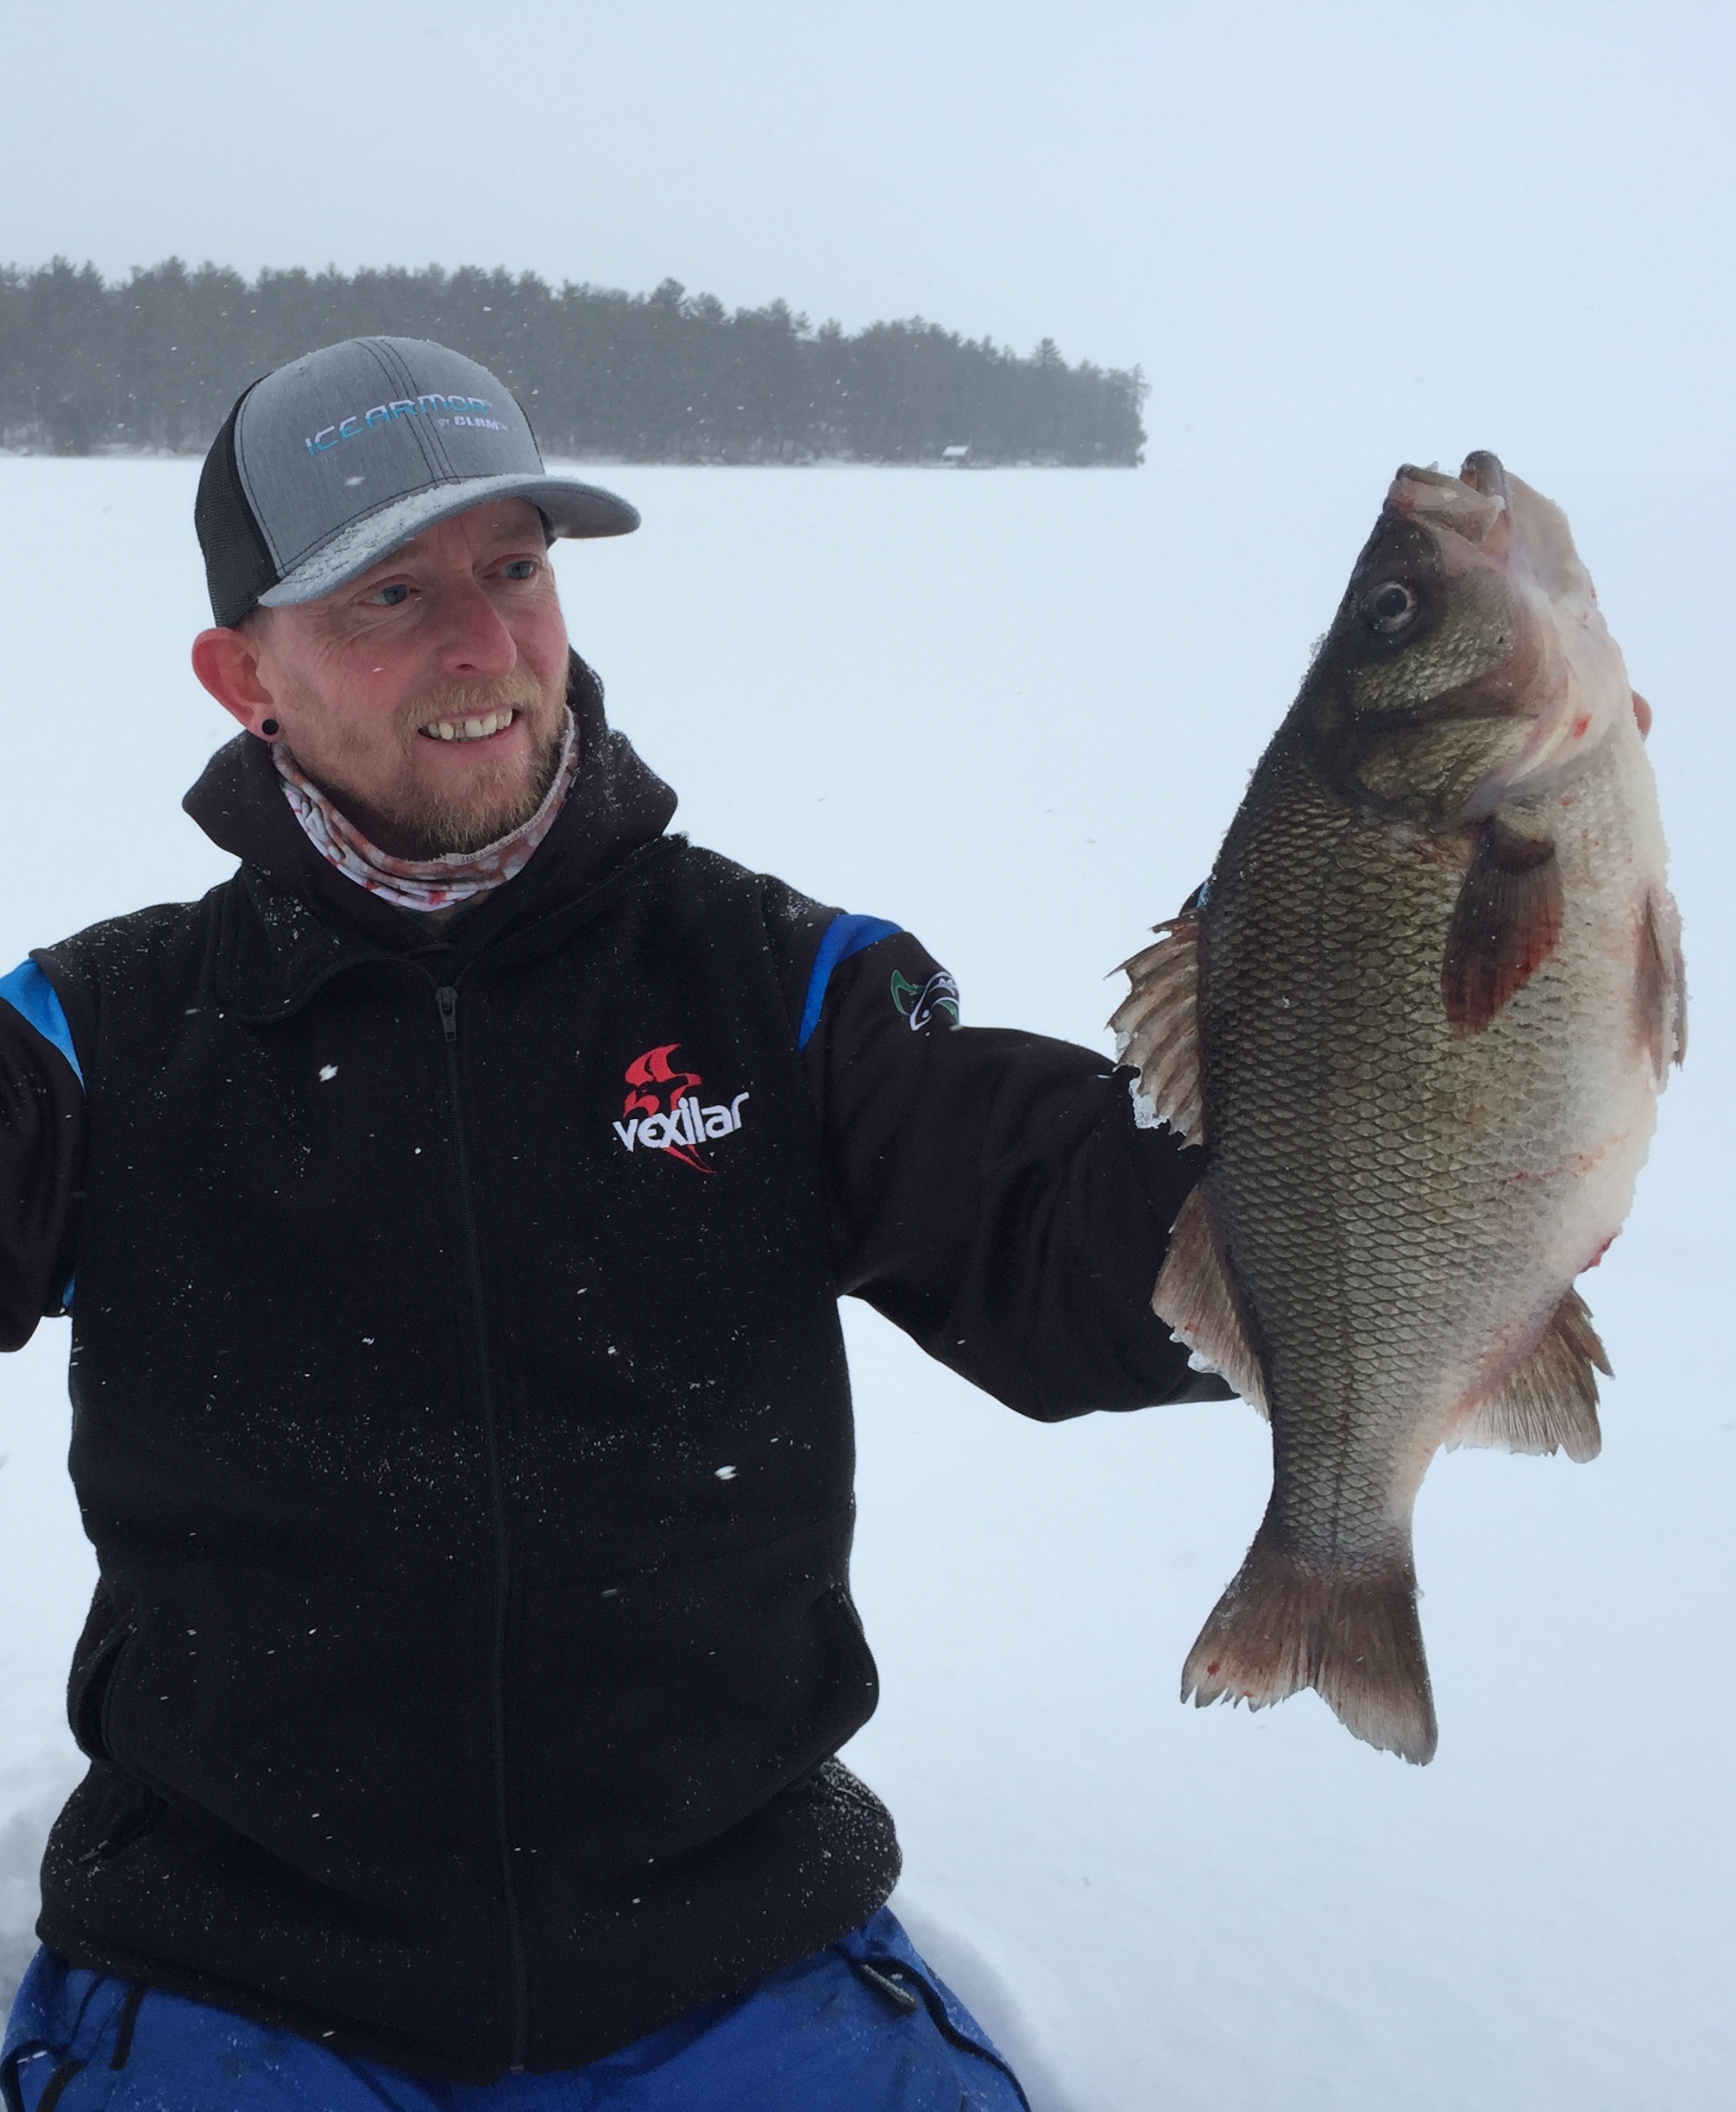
(954, 453)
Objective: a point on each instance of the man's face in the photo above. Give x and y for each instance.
(427, 696)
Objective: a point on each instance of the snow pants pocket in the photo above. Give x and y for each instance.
(69, 2038)
(883, 1957)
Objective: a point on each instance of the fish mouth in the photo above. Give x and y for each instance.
(1475, 504)
(1503, 519)
(1483, 471)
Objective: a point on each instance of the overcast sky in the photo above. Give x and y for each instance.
(1325, 231)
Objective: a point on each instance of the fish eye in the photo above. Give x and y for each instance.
(1389, 607)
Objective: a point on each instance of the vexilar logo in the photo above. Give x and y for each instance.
(664, 1113)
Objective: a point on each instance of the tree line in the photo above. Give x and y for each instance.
(154, 362)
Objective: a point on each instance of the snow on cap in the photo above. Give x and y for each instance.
(332, 462)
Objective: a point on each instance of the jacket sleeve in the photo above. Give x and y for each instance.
(42, 1154)
(990, 1193)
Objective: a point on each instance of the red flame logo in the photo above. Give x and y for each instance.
(651, 1072)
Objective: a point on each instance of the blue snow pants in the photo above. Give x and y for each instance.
(863, 2026)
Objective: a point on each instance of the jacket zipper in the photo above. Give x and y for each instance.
(446, 998)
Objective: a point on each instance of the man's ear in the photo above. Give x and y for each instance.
(227, 663)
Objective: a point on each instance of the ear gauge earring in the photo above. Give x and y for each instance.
(270, 728)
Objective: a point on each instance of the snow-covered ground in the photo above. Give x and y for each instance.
(1014, 712)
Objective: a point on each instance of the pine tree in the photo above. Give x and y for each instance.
(156, 361)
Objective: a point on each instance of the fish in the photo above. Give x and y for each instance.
(1418, 1018)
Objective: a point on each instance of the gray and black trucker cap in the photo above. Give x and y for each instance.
(334, 461)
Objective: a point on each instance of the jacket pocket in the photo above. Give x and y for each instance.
(88, 1689)
(663, 1707)
(853, 1638)
(109, 1813)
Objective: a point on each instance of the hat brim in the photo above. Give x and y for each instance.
(572, 509)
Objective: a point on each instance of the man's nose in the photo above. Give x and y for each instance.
(476, 645)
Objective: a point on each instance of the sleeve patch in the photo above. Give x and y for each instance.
(918, 1003)
(31, 995)
(844, 937)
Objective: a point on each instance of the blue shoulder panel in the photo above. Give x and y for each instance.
(845, 935)
(31, 995)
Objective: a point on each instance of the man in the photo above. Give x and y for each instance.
(452, 1209)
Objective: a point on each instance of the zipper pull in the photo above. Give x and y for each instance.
(447, 998)
(887, 1981)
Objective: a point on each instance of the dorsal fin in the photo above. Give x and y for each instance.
(1549, 1402)
(1156, 1031)
(1195, 1295)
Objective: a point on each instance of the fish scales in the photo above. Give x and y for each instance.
(1436, 988)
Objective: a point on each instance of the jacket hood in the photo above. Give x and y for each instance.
(617, 804)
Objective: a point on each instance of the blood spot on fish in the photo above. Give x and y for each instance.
(1212, 1670)
(1580, 725)
(1601, 1251)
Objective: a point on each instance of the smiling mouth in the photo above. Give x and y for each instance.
(482, 727)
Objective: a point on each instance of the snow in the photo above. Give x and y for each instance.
(1014, 712)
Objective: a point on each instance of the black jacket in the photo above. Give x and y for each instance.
(461, 1415)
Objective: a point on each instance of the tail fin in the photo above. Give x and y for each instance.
(1351, 1635)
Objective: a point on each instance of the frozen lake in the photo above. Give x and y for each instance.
(1014, 712)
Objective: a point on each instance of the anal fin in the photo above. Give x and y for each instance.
(1549, 1403)
(1155, 1029)
(1195, 1295)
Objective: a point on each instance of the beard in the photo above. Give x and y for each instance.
(375, 780)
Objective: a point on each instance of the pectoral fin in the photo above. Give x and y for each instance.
(1660, 994)
(1549, 1402)
(1195, 1295)
(1155, 1029)
(1506, 924)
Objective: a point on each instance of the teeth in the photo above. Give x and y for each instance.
(469, 729)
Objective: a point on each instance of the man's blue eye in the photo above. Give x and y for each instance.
(390, 597)
(522, 569)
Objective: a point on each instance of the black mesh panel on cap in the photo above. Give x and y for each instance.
(238, 566)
